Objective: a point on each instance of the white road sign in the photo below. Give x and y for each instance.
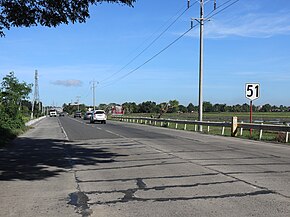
(252, 91)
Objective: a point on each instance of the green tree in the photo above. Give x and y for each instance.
(102, 106)
(130, 107)
(173, 106)
(219, 107)
(182, 108)
(191, 107)
(11, 118)
(50, 13)
(13, 93)
(266, 108)
(147, 107)
(207, 106)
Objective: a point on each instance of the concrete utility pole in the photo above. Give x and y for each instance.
(94, 94)
(78, 101)
(201, 21)
(200, 96)
(94, 97)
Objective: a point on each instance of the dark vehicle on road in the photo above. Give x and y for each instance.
(88, 115)
(78, 114)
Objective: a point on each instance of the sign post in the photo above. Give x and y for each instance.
(252, 93)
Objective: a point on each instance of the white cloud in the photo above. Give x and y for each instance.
(250, 25)
(68, 83)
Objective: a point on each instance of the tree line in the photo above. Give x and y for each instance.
(173, 106)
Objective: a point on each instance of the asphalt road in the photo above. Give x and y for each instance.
(69, 167)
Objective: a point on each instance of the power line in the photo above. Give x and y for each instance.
(173, 42)
(223, 9)
(150, 59)
(216, 8)
(152, 42)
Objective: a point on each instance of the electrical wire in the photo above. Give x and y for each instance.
(150, 59)
(223, 9)
(165, 48)
(152, 42)
(218, 7)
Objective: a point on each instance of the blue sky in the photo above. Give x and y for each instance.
(247, 42)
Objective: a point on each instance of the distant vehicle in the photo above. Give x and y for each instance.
(99, 116)
(52, 113)
(78, 114)
(62, 114)
(88, 115)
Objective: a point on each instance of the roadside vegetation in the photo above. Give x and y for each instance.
(14, 107)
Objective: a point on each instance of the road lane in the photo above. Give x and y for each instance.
(78, 129)
(163, 172)
(35, 174)
(68, 167)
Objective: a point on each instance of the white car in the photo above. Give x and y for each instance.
(99, 116)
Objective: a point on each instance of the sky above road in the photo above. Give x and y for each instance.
(141, 53)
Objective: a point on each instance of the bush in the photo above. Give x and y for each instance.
(10, 127)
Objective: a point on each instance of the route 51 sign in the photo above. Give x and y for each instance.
(252, 91)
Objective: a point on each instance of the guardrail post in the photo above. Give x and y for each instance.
(261, 132)
(241, 132)
(234, 128)
(168, 124)
(145, 121)
(195, 127)
(185, 126)
(208, 128)
(176, 125)
(223, 130)
(155, 123)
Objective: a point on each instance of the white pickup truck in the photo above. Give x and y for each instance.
(52, 113)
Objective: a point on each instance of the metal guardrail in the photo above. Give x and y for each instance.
(261, 127)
